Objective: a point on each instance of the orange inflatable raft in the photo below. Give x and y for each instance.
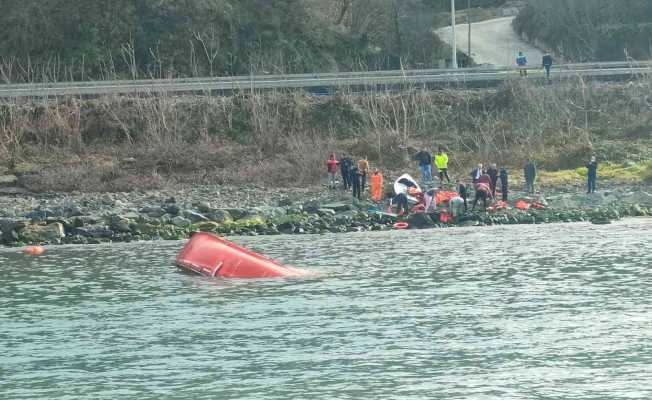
(212, 256)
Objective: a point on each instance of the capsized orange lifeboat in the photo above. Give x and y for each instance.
(212, 256)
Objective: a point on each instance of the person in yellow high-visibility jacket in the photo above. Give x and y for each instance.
(441, 162)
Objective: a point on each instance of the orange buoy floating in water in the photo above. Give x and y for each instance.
(34, 250)
(401, 225)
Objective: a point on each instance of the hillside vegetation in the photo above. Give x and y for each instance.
(95, 39)
(590, 30)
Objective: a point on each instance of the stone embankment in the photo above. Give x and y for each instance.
(85, 218)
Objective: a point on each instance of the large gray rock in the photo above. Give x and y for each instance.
(172, 209)
(153, 212)
(52, 233)
(181, 222)
(420, 221)
(220, 216)
(311, 206)
(195, 217)
(237, 213)
(95, 232)
(8, 225)
(120, 224)
(325, 212)
(204, 207)
(41, 214)
(337, 207)
(8, 180)
(641, 198)
(269, 212)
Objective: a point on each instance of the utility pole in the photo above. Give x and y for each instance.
(468, 21)
(454, 39)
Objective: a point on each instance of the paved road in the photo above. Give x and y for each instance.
(319, 82)
(492, 42)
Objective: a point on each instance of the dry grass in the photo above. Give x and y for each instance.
(283, 137)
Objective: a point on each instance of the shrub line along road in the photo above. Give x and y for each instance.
(441, 77)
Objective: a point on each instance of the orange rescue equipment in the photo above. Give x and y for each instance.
(498, 206)
(401, 225)
(34, 250)
(522, 205)
(212, 256)
(445, 197)
(376, 187)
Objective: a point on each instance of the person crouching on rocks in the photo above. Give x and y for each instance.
(401, 203)
(482, 192)
(430, 199)
(457, 207)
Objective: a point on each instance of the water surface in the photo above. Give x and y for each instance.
(511, 312)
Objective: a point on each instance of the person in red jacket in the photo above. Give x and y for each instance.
(331, 166)
(482, 192)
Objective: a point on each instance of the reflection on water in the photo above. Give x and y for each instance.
(553, 311)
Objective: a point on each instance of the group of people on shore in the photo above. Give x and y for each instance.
(354, 175)
(484, 182)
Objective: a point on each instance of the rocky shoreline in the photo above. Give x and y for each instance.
(87, 218)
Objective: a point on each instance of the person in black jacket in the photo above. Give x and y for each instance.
(504, 184)
(492, 171)
(424, 157)
(592, 175)
(345, 169)
(355, 181)
(530, 174)
(546, 61)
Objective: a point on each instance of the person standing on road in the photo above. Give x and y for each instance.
(441, 162)
(521, 62)
(547, 63)
(425, 166)
(530, 174)
(504, 184)
(363, 169)
(592, 175)
(331, 166)
(345, 170)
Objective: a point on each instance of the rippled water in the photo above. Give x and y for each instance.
(550, 311)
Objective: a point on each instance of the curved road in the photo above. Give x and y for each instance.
(492, 42)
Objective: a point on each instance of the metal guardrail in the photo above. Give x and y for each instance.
(373, 78)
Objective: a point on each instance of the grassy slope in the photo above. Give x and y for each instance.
(283, 138)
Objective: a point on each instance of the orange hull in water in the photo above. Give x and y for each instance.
(212, 256)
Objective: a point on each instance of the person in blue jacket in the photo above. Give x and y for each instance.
(521, 62)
